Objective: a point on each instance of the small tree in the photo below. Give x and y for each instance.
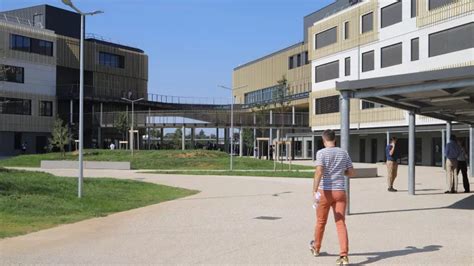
(121, 124)
(60, 136)
(248, 139)
(281, 103)
(177, 138)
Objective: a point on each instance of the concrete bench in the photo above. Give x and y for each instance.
(87, 165)
(365, 172)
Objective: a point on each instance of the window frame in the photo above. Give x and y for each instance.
(417, 39)
(388, 6)
(321, 32)
(347, 73)
(373, 61)
(362, 22)
(389, 46)
(318, 109)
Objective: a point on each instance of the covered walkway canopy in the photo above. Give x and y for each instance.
(446, 94)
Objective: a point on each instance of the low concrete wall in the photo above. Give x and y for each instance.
(365, 172)
(87, 165)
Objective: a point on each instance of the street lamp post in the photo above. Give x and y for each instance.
(232, 123)
(81, 93)
(133, 121)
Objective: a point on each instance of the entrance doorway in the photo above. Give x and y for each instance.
(373, 147)
(362, 150)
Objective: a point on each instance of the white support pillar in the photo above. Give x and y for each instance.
(443, 146)
(345, 135)
(183, 139)
(471, 151)
(241, 142)
(388, 137)
(449, 131)
(411, 153)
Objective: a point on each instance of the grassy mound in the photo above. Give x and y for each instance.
(31, 201)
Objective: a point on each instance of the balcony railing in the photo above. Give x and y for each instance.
(72, 91)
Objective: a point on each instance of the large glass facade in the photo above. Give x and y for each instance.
(265, 95)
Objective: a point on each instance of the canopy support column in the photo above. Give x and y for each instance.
(411, 153)
(345, 135)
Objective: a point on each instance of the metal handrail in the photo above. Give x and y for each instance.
(21, 21)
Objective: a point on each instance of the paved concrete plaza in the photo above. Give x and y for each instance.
(218, 225)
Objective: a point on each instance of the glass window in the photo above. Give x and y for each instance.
(347, 66)
(451, 40)
(306, 58)
(15, 106)
(346, 30)
(413, 8)
(432, 4)
(298, 60)
(327, 71)
(415, 49)
(20, 43)
(367, 22)
(391, 14)
(12, 74)
(27, 44)
(370, 105)
(327, 105)
(368, 61)
(326, 38)
(46, 108)
(111, 60)
(391, 55)
(290, 62)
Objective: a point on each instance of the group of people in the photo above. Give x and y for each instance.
(334, 164)
(456, 161)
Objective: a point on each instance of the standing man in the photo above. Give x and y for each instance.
(332, 164)
(463, 158)
(392, 153)
(452, 153)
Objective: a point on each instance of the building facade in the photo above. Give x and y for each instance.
(27, 86)
(112, 71)
(354, 40)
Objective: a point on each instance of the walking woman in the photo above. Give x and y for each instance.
(462, 166)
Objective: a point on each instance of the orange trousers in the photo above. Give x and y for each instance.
(336, 200)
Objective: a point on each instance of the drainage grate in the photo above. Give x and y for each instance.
(271, 218)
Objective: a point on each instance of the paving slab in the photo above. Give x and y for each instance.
(218, 225)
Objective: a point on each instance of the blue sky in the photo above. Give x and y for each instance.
(193, 45)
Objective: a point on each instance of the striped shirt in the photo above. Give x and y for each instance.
(335, 161)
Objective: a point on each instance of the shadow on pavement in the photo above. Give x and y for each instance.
(378, 256)
(238, 196)
(464, 204)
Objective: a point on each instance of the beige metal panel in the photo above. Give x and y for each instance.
(136, 64)
(366, 116)
(427, 17)
(28, 123)
(117, 83)
(6, 29)
(268, 71)
(355, 38)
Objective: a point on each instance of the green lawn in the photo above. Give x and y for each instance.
(298, 174)
(31, 201)
(159, 160)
